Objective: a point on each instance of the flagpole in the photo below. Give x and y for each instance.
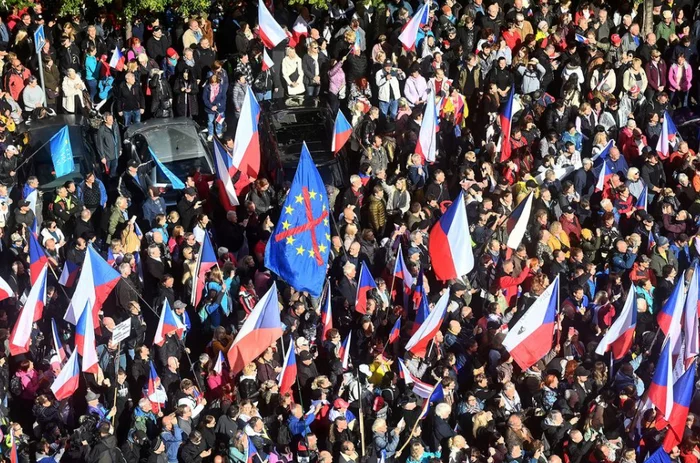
(362, 421)
(116, 381)
(33, 154)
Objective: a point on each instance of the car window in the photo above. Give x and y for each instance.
(182, 168)
(175, 141)
(292, 128)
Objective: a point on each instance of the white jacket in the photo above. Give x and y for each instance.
(384, 84)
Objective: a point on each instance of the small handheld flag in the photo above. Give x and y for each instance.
(342, 131)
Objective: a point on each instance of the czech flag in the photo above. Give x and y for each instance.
(682, 395)
(152, 388)
(366, 284)
(97, 280)
(344, 351)
(326, 314)
(661, 390)
(690, 319)
(581, 39)
(652, 242)
(117, 59)
(422, 311)
(5, 290)
(288, 375)
(111, 260)
(69, 274)
(669, 135)
(660, 456)
(395, 331)
(531, 338)
(223, 164)
(260, 330)
(57, 344)
(219, 365)
(404, 373)
(450, 244)
(603, 155)
(300, 29)
(246, 144)
(168, 323)
(401, 271)
(66, 383)
(642, 200)
(517, 222)
(271, 33)
(409, 35)
(436, 396)
(670, 316)
(37, 258)
(85, 342)
(506, 127)
(31, 312)
(421, 388)
(418, 344)
(342, 131)
(418, 290)
(604, 177)
(205, 262)
(267, 62)
(426, 145)
(620, 335)
(251, 452)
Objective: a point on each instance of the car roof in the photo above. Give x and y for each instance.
(292, 102)
(53, 121)
(154, 124)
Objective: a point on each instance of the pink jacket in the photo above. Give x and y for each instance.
(685, 81)
(336, 77)
(30, 383)
(416, 89)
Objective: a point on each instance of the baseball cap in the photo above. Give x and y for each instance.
(615, 38)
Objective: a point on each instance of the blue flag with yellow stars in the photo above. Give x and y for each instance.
(297, 250)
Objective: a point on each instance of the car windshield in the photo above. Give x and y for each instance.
(43, 166)
(182, 168)
(176, 141)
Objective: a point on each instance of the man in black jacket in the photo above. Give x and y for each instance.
(134, 184)
(68, 56)
(188, 208)
(131, 101)
(8, 167)
(157, 46)
(109, 144)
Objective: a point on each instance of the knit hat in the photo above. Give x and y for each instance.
(171, 53)
(586, 234)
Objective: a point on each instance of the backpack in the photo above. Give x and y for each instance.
(16, 387)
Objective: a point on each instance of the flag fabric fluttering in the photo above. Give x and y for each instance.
(661, 387)
(62, 153)
(426, 144)
(450, 244)
(690, 318)
(506, 118)
(604, 176)
(267, 62)
(671, 313)
(31, 312)
(206, 260)
(518, 221)
(326, 314)
(365, 284)
(342, 131)
(300, 29)
(437, 395)
(620, 336)
(682, 395)
(117, 60)
(223, 164)
(85, 341)
(175, 182)
(6, 291)
(395, 331)
(641, 203)
(669, 137)
(344, 353)
(271, 33)
(298, 248)
(532, 336)
(288, 375)
(409, 35)
(37, 258)
(419, 342)
(151, 390)
(246, 144)
(66, 383)
(69, 274)
(219, 365)
(260, 330)
(167, 323)
(59, 355)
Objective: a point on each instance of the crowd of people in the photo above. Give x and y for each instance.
(578, 75)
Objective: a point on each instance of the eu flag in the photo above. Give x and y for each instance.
(61, 153)
(298, 249)
(172, 178)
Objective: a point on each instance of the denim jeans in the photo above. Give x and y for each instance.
(262, 96)
(389, 108)
(132, 117)
(92, 88)
(211, 121)
(112, 165)
(313, 90)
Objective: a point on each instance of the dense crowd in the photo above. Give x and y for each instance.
(581, 73)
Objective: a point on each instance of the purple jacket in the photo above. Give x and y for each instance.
(416, 89)
(336, 77)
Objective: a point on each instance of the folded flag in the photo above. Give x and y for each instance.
(450, 243)
(344, 353)
(661, 387)
(395, 331)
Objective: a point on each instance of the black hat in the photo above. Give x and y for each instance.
(387, 62)
(133, 163)
(459, 286)
(581, 371)
(156, 29)
(305, 355)
(567, 210)
(156, 443)
(23, 203)
(190, 191)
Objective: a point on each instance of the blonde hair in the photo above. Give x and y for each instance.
(249, 369)
(349, 36)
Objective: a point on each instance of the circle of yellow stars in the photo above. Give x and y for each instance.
(289, 210)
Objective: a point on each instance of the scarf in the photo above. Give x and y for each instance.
(214, 92)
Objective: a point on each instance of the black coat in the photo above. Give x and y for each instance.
(186, 104)
(130, 99)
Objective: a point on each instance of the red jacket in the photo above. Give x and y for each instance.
(509, 285)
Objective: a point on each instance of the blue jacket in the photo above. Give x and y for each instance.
(219, 102)
(172, 441)
(151, 210)
(300, 426)
(100, 185)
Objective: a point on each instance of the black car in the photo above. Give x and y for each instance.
(287, 123)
